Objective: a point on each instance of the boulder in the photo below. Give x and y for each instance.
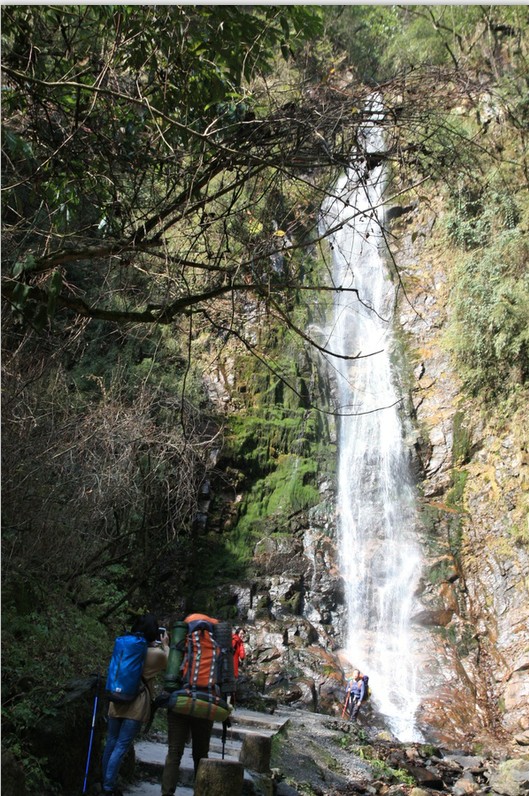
(511, 778)
(465, 786)
(425, 777)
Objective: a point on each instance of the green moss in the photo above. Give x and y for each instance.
(397, 775)
(519, 533)
(277, 445)
(454, 497)
(440, 572)
(462, 440)
(463, 639)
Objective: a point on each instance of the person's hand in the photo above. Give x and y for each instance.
(165, 639)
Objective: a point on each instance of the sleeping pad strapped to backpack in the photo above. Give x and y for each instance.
(205, 670)
(177, 648)
(125, 668)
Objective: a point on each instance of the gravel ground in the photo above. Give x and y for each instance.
(319, 754)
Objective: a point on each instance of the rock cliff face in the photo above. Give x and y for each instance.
(472, 473)
(474, 476)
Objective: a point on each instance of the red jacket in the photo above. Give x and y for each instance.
(239, 653)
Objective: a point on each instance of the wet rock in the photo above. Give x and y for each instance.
(511, 778)
(439, 618)
(268, 654)
(426, 777)
(465, 786)
(471, 762)
(307, 689)
(396, 790)
(396, 211)
(282, 789)
(522, 738)
(285, 692)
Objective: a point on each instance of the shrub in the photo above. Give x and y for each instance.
(489, 330)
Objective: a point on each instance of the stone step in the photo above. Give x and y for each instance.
(150, 755)
(273, 722)
(150, 758)
(153, 789)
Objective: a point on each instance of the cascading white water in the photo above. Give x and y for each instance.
(376, 502)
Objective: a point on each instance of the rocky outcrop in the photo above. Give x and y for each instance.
(510, 778)
(332, 757)
(474, 472)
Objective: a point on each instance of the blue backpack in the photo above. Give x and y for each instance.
(125, 668)
(367, 690)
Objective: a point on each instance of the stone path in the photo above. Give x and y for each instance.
(150, 755)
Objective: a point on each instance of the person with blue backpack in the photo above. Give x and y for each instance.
(136, 660)
(356, 693)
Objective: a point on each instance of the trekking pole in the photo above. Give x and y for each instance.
(225, 724)
(91, 734)
(346, 700)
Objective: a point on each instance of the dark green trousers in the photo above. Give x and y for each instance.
(179, 729)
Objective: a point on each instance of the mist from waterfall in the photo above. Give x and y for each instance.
(380, 560)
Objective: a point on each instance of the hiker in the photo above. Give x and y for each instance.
(239, 654)
(356, 690)
(180, 726)
(125, 719)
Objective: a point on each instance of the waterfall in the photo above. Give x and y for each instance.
(376, 517)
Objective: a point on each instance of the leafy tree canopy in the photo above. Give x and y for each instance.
(130, 136)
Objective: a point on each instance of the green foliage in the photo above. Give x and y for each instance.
(288, 489)
(520, 535)
(43, 649)
(127, 114)
(477, 215)
(399, 775)
(382, 40)
(364, 751)
(461, 440)
(440, 572)
(455, 499)
(364, 33)
(463, 639)
(275, 446)
(432, 35)
(489, 331)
